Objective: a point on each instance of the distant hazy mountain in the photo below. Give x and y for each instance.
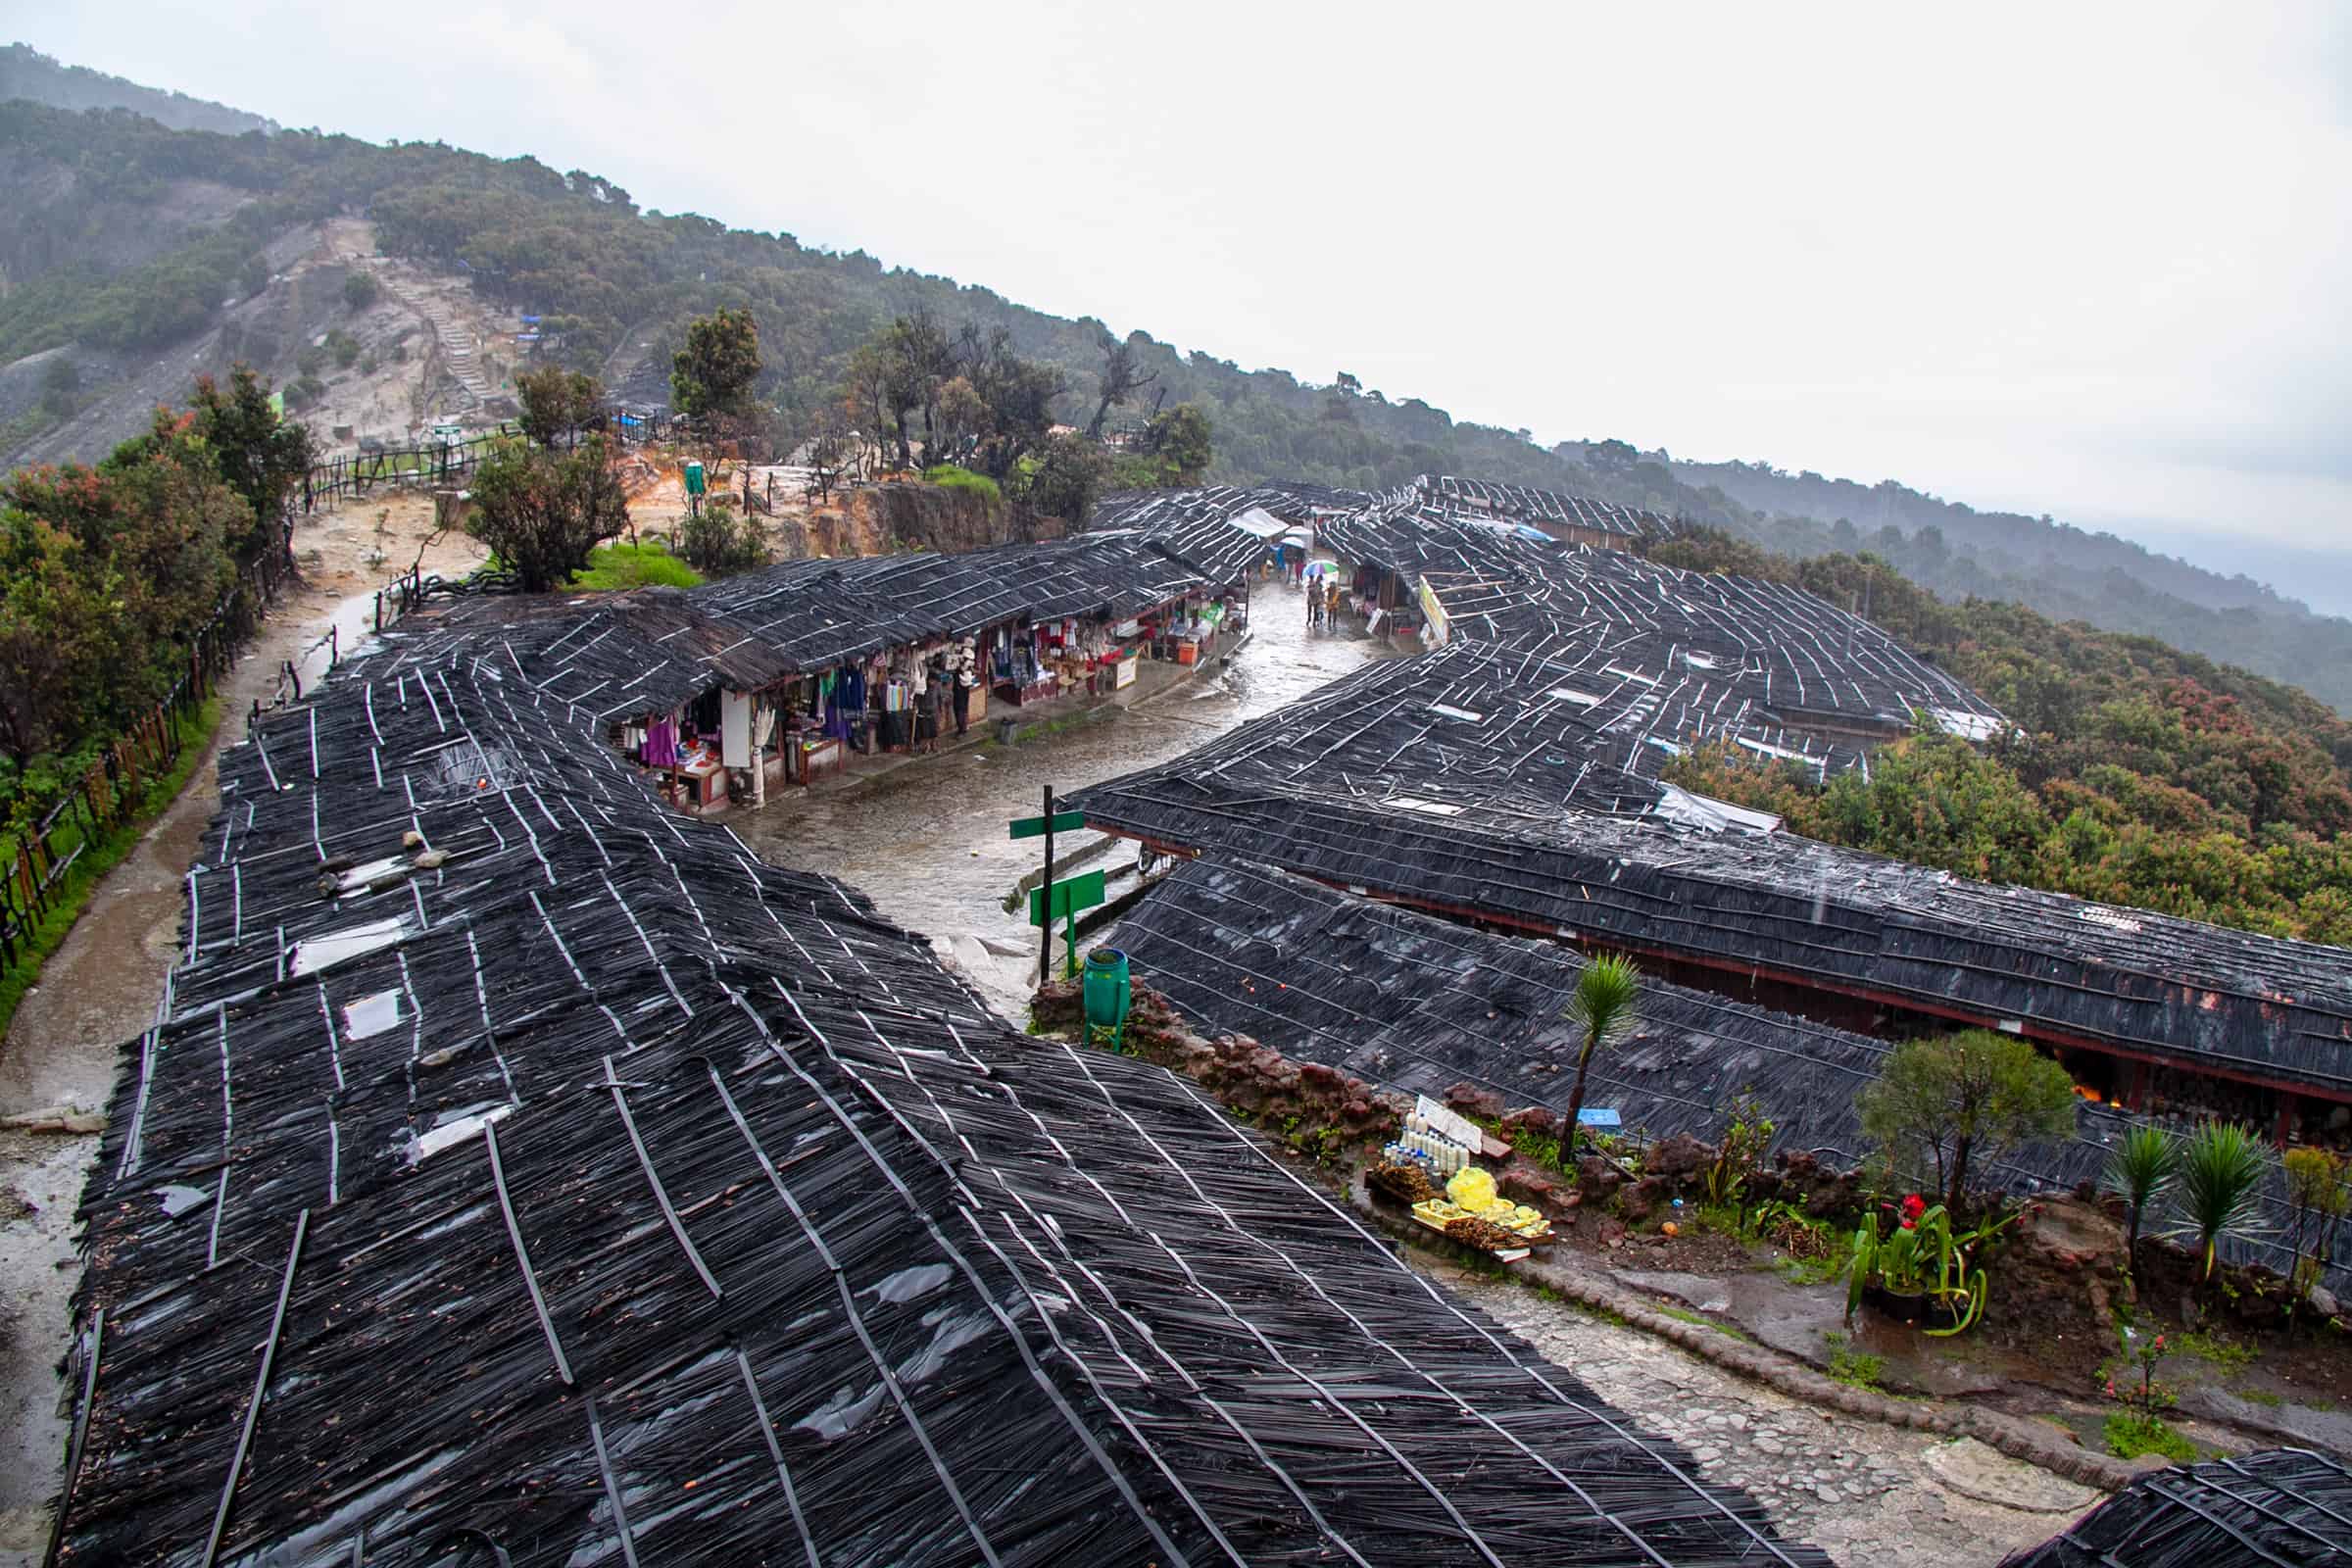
(124, 246)
(26, 73)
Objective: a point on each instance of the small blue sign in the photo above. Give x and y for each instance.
(1598, 1116)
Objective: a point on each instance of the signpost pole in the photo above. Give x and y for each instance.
(1045, 933)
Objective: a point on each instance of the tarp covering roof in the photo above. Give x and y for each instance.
(1419, 1004)
(519, 1172)
(2280, 1508)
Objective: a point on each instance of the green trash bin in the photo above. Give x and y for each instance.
(1107, 994)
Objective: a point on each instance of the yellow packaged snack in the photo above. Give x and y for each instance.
(1473, 1188)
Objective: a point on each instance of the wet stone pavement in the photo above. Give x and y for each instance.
(929, 844)
(1870, 1495)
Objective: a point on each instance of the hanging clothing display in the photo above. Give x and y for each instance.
(661, 743)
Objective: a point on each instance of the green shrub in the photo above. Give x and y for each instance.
(615, 566)
(718, 543)
(2130, 1436)
(360, 290)
(952, 478)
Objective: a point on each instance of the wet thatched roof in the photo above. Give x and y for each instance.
(1448, 495)
(819, 612)
(1690, 657)
(1198, 528)
(2282, 1508)
(516, 1169)
(610, 656)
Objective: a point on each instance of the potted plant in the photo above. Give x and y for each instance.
(1919, 1271)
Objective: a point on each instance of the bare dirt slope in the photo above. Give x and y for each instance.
(429, 348)
(101, 988)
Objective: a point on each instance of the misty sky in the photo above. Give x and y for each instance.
(2089, 260)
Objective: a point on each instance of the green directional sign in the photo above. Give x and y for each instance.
(1035, 827)
(1078, 893)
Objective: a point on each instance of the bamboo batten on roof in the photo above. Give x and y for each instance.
(1450, 496)
(516, 1167)
(2282, 1508)
(1689, 657)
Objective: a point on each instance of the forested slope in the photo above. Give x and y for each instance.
(2142, 775)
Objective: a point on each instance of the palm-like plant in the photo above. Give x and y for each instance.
(2221, 1168)
(2140, 1171)
(1605, 1008)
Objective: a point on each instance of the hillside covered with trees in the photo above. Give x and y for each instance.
(2139, 774)
(615, 286)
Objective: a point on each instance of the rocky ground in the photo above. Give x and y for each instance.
(1867, 1494)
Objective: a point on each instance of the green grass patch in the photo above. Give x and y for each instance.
(614, 567)
(101, 855)
(1852, 1367)
(2261, 1396)
(1541, 1148)
(1812, 1270)
(2128, 1435)
(948, 476)
(2228, 1354)
(1684, 1314)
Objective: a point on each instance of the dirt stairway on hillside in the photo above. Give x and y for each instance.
(458, 354)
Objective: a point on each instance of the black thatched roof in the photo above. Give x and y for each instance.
(1690, 657)
(517, 1167)
(1198, 528)
(606, 655)
(817, 612)
(2282, 1508)
(1419, 1005)
(1449, 495)
(1447, 781)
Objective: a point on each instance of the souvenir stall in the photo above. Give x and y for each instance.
(1433, 1169)
(682, 747)
(1017, 669)
(1188, 630)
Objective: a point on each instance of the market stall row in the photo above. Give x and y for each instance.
(781, 677)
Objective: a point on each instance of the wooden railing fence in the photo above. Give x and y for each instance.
(34, 869)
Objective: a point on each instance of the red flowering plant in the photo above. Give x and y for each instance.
(1920, 1261)
(2142, 1351)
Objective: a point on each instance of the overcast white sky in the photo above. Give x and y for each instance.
(2082, 259)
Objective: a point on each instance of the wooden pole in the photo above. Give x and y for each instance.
(1045, 923)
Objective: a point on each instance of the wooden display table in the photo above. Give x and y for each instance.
(1042, 689)
(820, 757)
(703, 783)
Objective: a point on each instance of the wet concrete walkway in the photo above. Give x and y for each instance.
(928, 841)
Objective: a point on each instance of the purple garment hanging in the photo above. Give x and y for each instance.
(661, 743)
